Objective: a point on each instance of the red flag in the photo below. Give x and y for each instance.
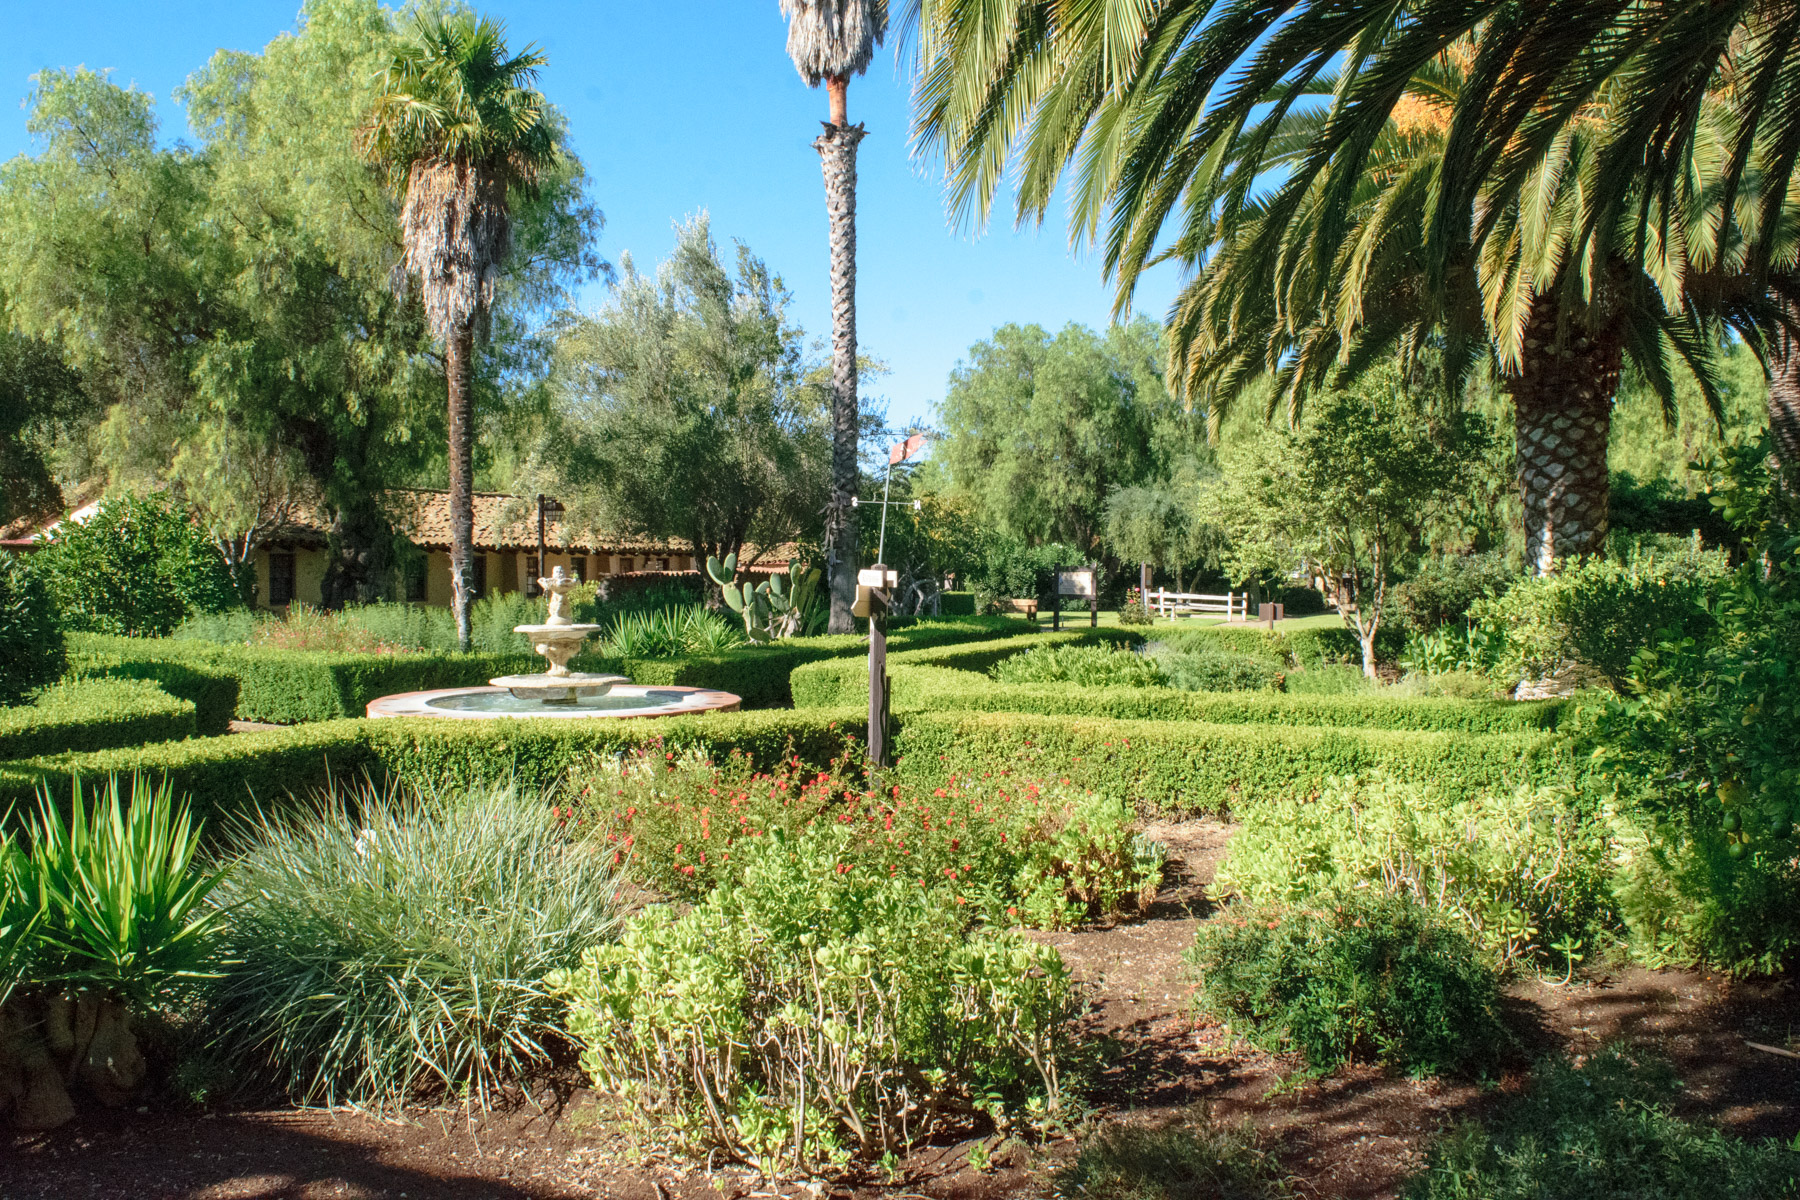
(906, 449)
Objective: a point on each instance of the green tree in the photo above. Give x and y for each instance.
(42, 403)
(1160, 523)
(457, 126)
(1346, 497)
(687, 410)
(1038, 430)
(829, 41)
(138, 567)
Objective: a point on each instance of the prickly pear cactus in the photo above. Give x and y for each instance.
(772, 609)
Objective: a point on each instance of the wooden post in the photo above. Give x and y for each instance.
(1144, 586)
(1056, 598)
(874, 585)
(1094, 600)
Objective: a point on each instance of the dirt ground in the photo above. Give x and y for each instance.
(1353, 1136)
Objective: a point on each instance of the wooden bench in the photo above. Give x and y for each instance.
(1233, 606)
(1028, 607)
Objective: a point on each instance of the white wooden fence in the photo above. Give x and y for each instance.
(1233, 606)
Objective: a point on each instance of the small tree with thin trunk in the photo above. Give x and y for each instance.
(456, 127)
(1346, 497)
(829, 41)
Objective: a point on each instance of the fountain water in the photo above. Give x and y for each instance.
(558, 692)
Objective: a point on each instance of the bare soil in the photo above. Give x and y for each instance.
(1353, 1136)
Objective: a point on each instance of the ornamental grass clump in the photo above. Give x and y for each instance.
(1366, 978)
(815, 1011)
(1014, 851)
(382, 946)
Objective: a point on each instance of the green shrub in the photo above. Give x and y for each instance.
(1302, 648)
(1702, 767)
(1191, 1158)
(1602, 1131)
(1183, 767)
(124, 907)
(1209, 670)
(1522, 871)
(1040, 855)
(94, 714)
(1085, 666)
(1368, 978)
(818, 1012)
(956, 604)
(1595, 615)
(223, 775)
(31, 637)
(1331, 679)
(1442, 590)
(138, 566)
(212, 690)
(381, 946)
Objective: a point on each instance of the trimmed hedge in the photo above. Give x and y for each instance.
(1182, 767)
(1301, 647)
(213, 691)
(95, 714)
(1161, 765)
(957, 604)
(846, 681)
(227, 774)
(919, 688)
(286, 687)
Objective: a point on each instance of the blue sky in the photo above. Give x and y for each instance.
(675, 106)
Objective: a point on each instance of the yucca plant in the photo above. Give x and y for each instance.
(384, 945)
(122, 907)
(18, 920)
(668, 632)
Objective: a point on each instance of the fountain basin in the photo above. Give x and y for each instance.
(490, 703)
(551, 688)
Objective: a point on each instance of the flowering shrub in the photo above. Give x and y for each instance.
(818, 1009)
(1037, 855)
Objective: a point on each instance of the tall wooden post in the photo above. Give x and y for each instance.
(1094, 600)
(542, 570)
(873, 596)
(1056, 598)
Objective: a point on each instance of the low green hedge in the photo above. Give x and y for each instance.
(287, 687)
(921, 688)
(1301, 647)
(957, 604)
(226, 774)
(846, 681)
(94, 714)
(212, 690)
(1189, 767)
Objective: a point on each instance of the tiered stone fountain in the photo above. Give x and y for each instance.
(558, 692)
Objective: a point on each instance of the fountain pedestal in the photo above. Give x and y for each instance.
(558, 639)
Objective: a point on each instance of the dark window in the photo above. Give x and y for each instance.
(281, 580)
(531, 575)
(578, 567)
(415, 578)
(477, 576)
(665, 564)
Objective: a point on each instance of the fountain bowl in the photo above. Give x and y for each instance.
(618, 701)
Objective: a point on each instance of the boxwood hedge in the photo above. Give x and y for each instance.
(286, 687)
(95, 714)
(212, 690)
(920, 688)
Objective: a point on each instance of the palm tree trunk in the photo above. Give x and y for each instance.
(459, 352)
(837, 154)
(1562, 401)
(1784, 394)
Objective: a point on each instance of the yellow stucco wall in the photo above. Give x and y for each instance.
(507, 572)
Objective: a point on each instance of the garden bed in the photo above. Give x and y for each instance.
(1356, 1134)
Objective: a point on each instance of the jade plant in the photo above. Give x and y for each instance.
(774, 608)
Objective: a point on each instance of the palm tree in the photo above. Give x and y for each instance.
(829, 41)
(456, 127)
(1561, 241)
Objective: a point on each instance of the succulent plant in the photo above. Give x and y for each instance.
(771, 609)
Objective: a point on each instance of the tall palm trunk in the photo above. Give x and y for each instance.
(459, 353)
(1784, 394)
(837, 154)
(1562, 401)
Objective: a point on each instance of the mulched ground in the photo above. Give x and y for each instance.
(1354, 1136)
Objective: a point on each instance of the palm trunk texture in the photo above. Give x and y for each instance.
(837, 154)
(458, 359)
(1562, 399)
(1784, 395)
